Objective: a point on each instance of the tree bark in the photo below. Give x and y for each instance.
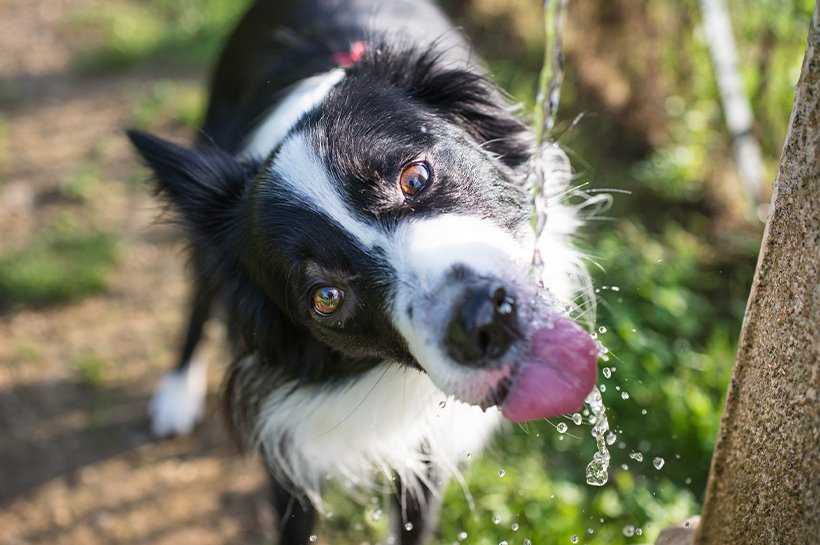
(764, 483)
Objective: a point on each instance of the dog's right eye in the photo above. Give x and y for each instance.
(414, 178)
(327, 300)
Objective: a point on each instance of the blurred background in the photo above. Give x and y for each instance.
(92, 287)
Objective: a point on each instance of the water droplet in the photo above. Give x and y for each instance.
(611, 438)
(514, 527)
(313, 538)
(561, 427)
(496, 519)
(688, 480)
(602, 330)
(602, 387)
(462, 536)
(590, 531)
(637, 456)
(625, 467)
(629, 530)
(615, 288)
(503, 543)
(597, 470)
(408, 526)
(643, 412)
(526, 542)
(607, 372)
(658, 462)
(376, 515)
(638, 532)
(624, 395)
(501, 473)
(573, 539)
(577, 419)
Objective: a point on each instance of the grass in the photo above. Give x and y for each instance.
(60, 265)
(81, 183)
(182, 32)
(3, 148)
(90, 369)
(172, 102)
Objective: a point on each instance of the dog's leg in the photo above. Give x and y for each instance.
(417, 514)
(296, 519)
(179, 400)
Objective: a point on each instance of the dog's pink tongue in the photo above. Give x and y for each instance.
(556, 375)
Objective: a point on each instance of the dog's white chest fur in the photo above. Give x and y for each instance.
(391, 419)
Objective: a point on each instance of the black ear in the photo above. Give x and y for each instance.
(475, 103)
(461, 93)
(204, 185)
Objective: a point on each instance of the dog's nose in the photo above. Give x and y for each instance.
(483, 325)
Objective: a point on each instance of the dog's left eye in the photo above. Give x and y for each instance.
(414, 178)
(327, 300)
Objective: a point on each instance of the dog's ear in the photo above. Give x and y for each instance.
(203, 185)
(479, 107)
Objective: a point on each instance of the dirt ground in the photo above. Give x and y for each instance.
(77, 464)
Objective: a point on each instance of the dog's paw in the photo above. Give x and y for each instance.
(179, 401)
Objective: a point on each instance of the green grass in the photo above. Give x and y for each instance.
(179, 31)
(59, 266)
(169, 102)
(81, 183)
(3, 148)
(90, 369)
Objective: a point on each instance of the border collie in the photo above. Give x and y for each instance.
(357, 203)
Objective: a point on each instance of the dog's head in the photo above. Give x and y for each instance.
(389, 223)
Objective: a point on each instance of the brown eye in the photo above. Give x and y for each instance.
(327, 300)
(414, 178)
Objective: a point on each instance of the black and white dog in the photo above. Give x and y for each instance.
(357, 203)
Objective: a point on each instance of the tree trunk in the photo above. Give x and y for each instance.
(764, 484)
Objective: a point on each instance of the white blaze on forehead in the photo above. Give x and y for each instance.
(428, 249)
(304, 175)
(305, 95)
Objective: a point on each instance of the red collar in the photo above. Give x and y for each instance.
(346, 59)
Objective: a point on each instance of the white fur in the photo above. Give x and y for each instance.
(423, 253)
(306, 95)
(307, 180)
(376, 422)
(179, 401)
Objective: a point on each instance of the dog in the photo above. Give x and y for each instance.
(357, 204)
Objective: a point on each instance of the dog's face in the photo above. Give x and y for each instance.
(391, 224)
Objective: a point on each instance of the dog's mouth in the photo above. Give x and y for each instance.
(551, 375)
(498, 393)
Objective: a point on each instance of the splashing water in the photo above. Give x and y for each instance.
(598, 467)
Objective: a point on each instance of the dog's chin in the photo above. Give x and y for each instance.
(550, 372)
